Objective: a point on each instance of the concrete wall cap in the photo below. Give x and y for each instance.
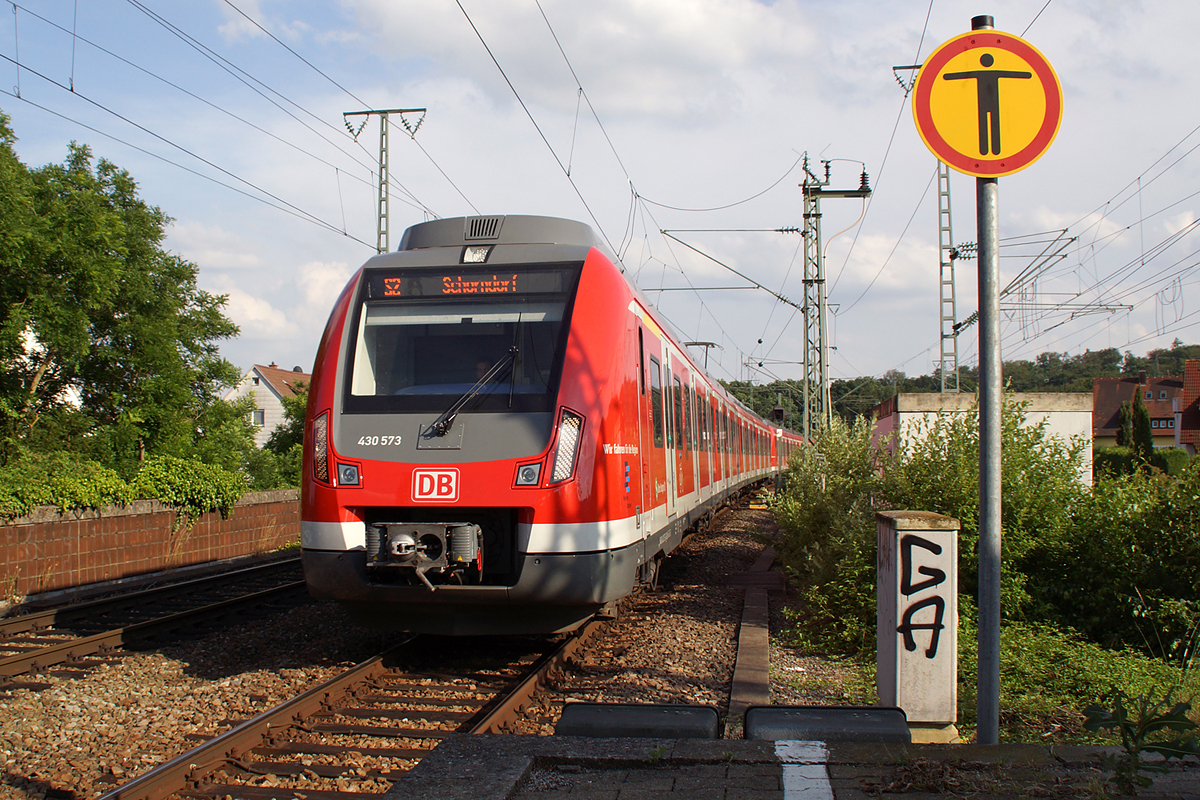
(918, 520)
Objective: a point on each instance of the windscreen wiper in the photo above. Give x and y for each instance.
(443, 423)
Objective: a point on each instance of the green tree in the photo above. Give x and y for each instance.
(92, 303)
(1125, 425)
(1143, 437)
(287, 440)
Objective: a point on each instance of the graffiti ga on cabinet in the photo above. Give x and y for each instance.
(917, 605)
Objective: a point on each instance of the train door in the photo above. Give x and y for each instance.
(643, 430)
(663, 468)
(682, 456)
(672, 426)
(704, 441)
(687, 438)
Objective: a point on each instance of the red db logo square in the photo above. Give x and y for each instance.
(435, 486)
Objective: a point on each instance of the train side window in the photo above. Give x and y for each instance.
(656, 400)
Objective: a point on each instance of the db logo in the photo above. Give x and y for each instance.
(435, 485)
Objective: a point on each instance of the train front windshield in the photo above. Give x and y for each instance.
(425, 337)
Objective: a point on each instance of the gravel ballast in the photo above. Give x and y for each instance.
(86, 734)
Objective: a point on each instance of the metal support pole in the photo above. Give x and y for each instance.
(991, 401)
(382, 245)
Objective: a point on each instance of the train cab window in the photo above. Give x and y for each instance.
(656, 400)
(425, 336)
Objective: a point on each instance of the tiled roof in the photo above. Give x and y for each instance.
(283, 381)
(1189, 421)
(1109, 393)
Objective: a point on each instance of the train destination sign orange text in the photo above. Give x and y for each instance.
(987, 103)
(426, 283)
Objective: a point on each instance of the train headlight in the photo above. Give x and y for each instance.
(569, 428)
(320, 445)
(347, 475)
(528, 474)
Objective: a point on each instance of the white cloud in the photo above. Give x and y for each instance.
(1180, 222)
(321, 283)
(257, 318)
(211, 247)
(237, 27)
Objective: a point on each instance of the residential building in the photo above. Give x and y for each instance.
(1159, 395)
(1187, 409)
(268, 386)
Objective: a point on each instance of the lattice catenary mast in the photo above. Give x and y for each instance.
(818, 410)
(382, 245)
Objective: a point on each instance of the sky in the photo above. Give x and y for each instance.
(692, 117)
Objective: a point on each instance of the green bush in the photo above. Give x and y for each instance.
(68, 482)
(1089, 573)
(828, 512)
(937, 469)
(1127, 572)
(58, 479)
(1048, 675)
(1109, 462)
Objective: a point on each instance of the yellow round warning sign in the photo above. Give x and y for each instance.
(987, 103)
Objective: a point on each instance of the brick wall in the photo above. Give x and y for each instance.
(46, 550)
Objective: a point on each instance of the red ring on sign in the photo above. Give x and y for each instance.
(987, 167)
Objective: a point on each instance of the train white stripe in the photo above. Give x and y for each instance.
(578, 537)
(333, 535)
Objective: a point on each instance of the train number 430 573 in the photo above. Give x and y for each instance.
(376, 441)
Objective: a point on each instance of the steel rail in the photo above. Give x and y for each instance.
(38, 620)
(186, 771)
(190, 771)
(49, 656)
(506, 710)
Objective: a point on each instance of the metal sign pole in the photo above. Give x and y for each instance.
(991, 402)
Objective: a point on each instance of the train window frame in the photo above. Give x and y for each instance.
(656, 402)
(416, 398)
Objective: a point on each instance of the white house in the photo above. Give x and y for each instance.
(268, 386)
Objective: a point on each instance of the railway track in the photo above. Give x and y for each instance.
(346, 738)
(70, 639)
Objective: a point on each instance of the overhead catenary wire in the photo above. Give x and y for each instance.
(153, 75)
(533, 120)
(299, 211)
(198, 174)
(365, 104)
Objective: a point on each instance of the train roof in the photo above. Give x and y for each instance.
(501, 229)
(526, 229)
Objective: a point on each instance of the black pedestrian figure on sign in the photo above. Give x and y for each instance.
(987, 82)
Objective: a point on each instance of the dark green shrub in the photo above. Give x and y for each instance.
(1109, 462)
(1172, 460)
(828, 515)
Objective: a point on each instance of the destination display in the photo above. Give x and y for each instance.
(459, 282)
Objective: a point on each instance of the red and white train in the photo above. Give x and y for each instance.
(503, 436)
